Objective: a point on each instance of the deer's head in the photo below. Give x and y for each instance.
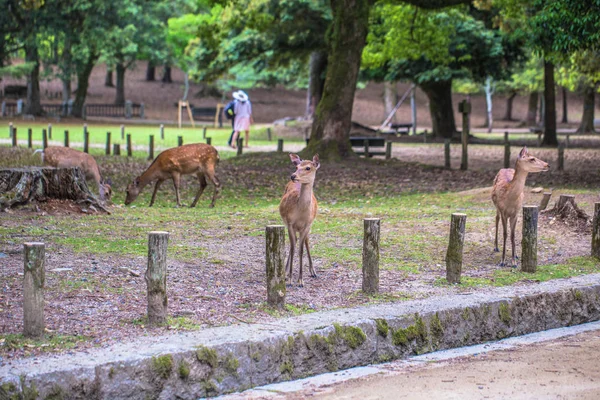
(305, 170)
(133, 190)
(105, 190)
(529, 163)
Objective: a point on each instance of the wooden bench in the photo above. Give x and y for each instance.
(402, 129)
(368, 143)
(211, 113)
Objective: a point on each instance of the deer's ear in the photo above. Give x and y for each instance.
(523, 152)
(295, 159)
(316, 162)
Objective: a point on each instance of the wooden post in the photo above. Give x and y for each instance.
(122, 132)
(30, 138)
(413, 108)
(529, 241)
(14, 137)
(366, 144)
(204, 133)
(425, 136)
(275, 256)
(507, 155)
(454, 255)
(545, 200)
(33, 289)
(596, 231)
(561, 156)
(370, 256)
(567, 141)
(156, 277)
(129, 147)
(151, 148)
(86, 139)
(269, 134)
(539, 139)
(10, 129)
(388, 150)
(240, 146)
(116, 149)
(107, 149)
(465, 109)
(66, 138)
(447, 153)
(44, 139)
(209, 140)
(50, 131)
(279, 145)
(162, 132)
(179, 141)
(506, 137)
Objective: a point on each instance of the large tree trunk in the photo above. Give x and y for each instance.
(83, 77)
(150, 72)
(565, 117)
(390, 98)
(589, 103)
(33, 106)
(509, 106)
(108, 79)
(316, 81)
(550, 138)
(120, 97)
(439, 94)
(167, 75)
(531, 119)
(67, 69)
(331, 126)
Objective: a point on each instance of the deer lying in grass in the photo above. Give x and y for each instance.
(66, 157)
(298, 209)
(200, 159)
(507, 195)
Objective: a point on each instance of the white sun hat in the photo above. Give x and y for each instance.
(240, 95)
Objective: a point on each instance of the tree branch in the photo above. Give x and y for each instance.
(434, 4)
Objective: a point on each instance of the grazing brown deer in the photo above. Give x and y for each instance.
(66, 157)
(507, 195)
(298, 209)
(199, 158)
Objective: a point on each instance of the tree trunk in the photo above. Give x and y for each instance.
(83, 77)
(532, 109)
(390, 98)
(120, 97)
(550, 138)
(489, 91)
(439, 94)
(67, 62)
(509, 106)
(108, 79)
(331, 126)
(587, 119)
(33, 106)
(565, 118)
(316, 80)
(167, 75)
(150, 72)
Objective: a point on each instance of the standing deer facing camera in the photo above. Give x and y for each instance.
(298, 209)
(507, 195)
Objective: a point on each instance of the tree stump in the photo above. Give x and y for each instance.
(529, 240)
(33, 289)
(370, 258)
(156, 277)
(566, 210)
(275, 259)
(19, 186)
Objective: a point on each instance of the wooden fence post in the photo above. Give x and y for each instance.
(370, 256)
(539, 139)
(545, 200)
(151, 148)
(388, 150)
(50, 131)
(179, 141)
(529, 241)
(561, 156)
(33, 289)
(86, 139)
(596, 231)
(14, 138)
(162, 132)
(240, 146)
(66, 138)
(275, 256)
(507, 155)
(122, 132)
(209, 140)
(10, 129)
(156, 277)
(44, 139)
(30, 138)
(447, 153)
(465, 110)
(129, 146)
(116, 149)
(204, 133)
(280, 145)
(454, 255)
(107, 149)
(269, 134)
(366, 144)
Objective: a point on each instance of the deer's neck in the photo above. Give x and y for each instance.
(305, 197)
(149, 175)
(516, 186)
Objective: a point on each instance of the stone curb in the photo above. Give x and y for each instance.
(227, 359)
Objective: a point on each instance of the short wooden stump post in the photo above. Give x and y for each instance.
(33, 289)
(162, 132)
(14, 137)
(107, 149)
(179, 141)
(129, 146)
(596, 231)
(561, 156)
(116, 149)
(545, 200)
(529, 241)
(156, 277)
(66, 138)
(30, 138)
(447, 153)
(240, 146)
(506, 155)
(122, 132)
(370, 256)
(275, 256)
(204, 133)
(50, 131)
(280, 145)
(44, 139)
(388, 150)
(269, 134)
(454, 255)
(209, 140)
(151, 148)
(86, 139)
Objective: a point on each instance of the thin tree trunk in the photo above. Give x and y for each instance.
(489, 91)
(390, 98)
(33, 106)
(167, 75)
(532, 109)
(120, 96)
(150, 72)
(589, 103)
(108, 80)
(316, 80)
(67, 62)
(550, 138)
(565, 117)
(331, 126)
(83, 77)
(439, 94)
(509, 106)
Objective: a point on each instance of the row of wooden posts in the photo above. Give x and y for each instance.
(156, 273)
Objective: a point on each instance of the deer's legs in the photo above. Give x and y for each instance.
(290, 259)
(302, 241)
(313, 273)
(513, 224)
(504, 235)
(176, 182)
(203, 184)
(496, 241)
(156, 186)
(210, 172)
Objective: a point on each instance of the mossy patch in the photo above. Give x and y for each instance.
(210, 387)
(437, 329)
(231, 364)
(504, 313)
(577, 294)
(382, 327)
(162, 365)
(352, 335)
(207, 356)
(286, 368)
(404, 336)
(184, 369)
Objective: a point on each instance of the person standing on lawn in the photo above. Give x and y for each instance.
(243, 117)
(230, 114)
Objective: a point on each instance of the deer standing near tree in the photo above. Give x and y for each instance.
(507, 195)
(298, 209)
(199, 158)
